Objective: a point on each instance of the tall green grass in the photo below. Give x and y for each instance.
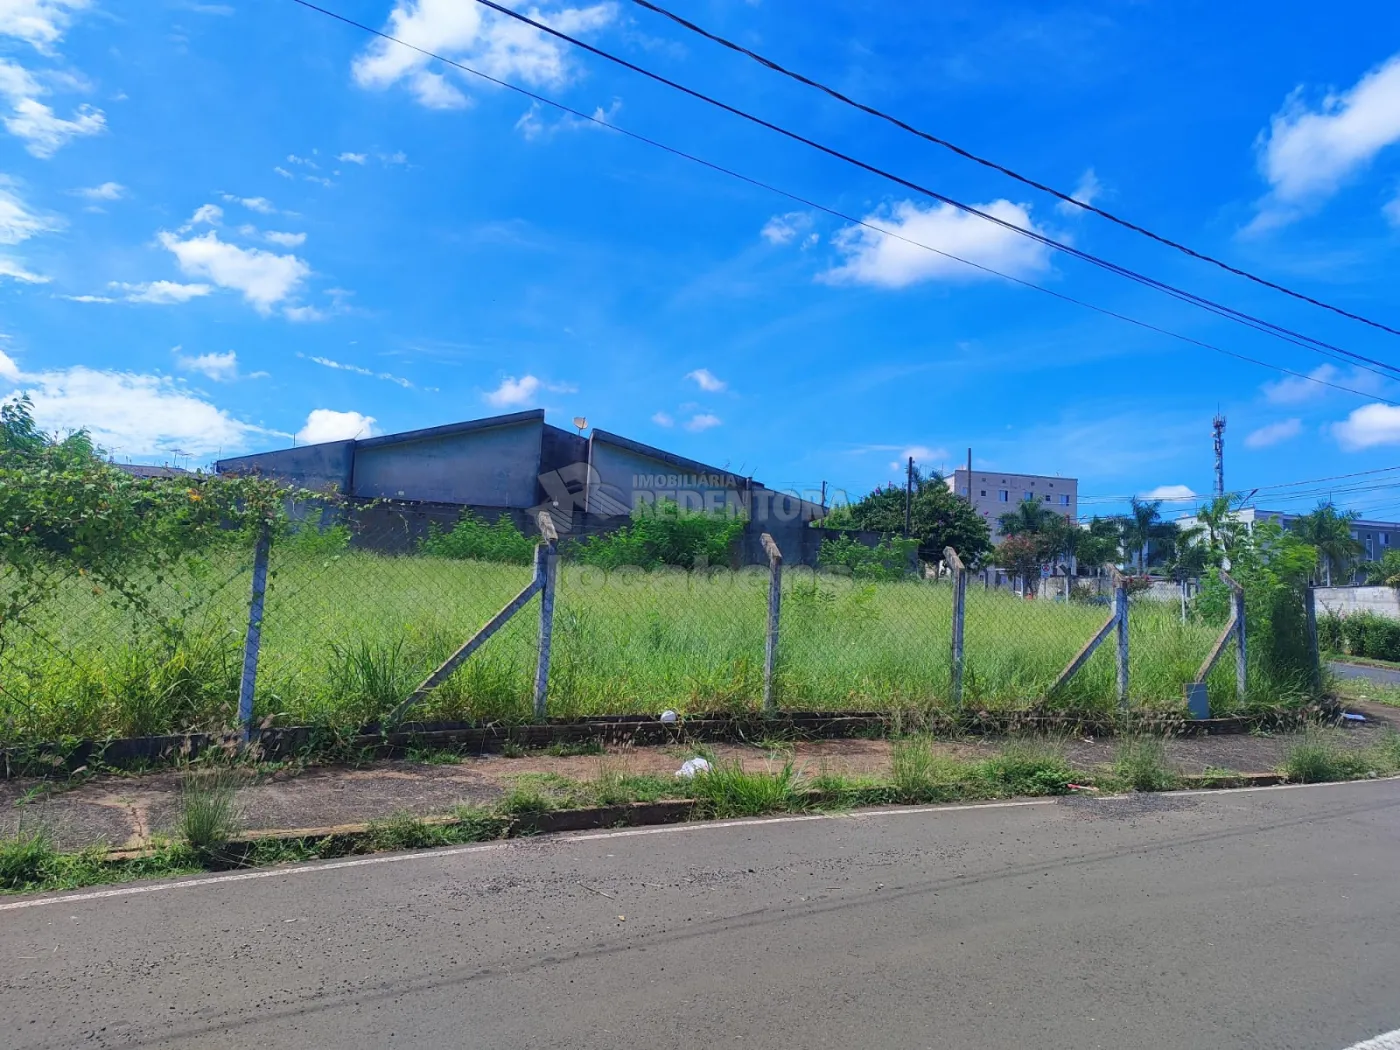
(344, 638)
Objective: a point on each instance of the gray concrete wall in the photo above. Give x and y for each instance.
(1343, 601)
(398, 528)
(634, 477)
(322, 468)
(495, 466)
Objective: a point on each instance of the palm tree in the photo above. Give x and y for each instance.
(1140, 526)
(1330, 532)
(1385, 571)
(1063, 539)
(1029, 518)
(1218, 522)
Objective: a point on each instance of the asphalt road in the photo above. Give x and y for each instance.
(1384, 675)
(1259, 919)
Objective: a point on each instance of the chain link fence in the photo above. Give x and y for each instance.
(359, 611)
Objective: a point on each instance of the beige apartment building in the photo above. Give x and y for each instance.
(994, 493)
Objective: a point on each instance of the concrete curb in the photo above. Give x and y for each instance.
(632, 814)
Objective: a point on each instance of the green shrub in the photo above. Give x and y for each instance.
(1371, 636)
(27, 860)
(1028, 767)
(890, 559)
(1141, 763)
(208, 807)
(476, 539)
(664, 534)
(1331, 635)
(1320, 757)
(726, 790)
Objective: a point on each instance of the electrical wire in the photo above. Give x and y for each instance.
(836, 213)
(1009, 172)
(1259, 324)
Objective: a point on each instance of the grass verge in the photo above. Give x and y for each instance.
(31, 860)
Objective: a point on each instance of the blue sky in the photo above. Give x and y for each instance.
(226, 224)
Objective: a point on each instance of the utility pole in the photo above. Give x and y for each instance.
(1219, 427)
(823, 497)
(969, 475)
(908, 496)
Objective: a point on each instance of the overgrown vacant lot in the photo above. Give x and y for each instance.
(348, 636)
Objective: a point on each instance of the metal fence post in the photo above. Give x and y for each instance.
(959, 612)
(252, 642)
(1120, 610)
(1314, 650)
(775, 597)
(1240, 662)
(546, 571)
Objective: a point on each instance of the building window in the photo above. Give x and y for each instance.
(1064, 499)
(1004, 496)
(1046, 497)
(984, 492)
(1355, 535)
(1030, 495)
(1385, 539)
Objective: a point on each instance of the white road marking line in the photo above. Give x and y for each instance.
(1388, 1041)
(312, 867)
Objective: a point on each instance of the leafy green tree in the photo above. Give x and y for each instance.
(887, 560)
(1328, 531)
(1100, 544)
(1029, 518)
(939, 519)
(1385, 571)
(472, 537)
(1219, 526)
(1022, 555)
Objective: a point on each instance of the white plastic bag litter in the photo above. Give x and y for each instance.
(692, 766)
(668, 715)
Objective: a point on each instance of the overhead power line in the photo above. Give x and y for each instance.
(1003, 169)
(836, 213)
(1258, 323)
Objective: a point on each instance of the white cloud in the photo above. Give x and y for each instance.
(707, 380)
(514, 391)
(1369, 426)
(258, 204)
(284, 172)
(326, 424)
(1308, 153)
(534, 126)
(352, 158)
(88, 298)
(1295, 390)
(285, 240)
(127, 413)
(265, 278)
(663, 419)
(1088, 191)
(702, 421)
(219, 367)
(1170, 492)
(499, 46)
(17, 222)
(15, 271)
(162, 293)
(45, 132)
(292, 158)
(38, 22)
(210, 214)
(108, 191)
(922, 455)
(397, 157)
(784, 229)
(1273, 433)
(889, 262)
(326, 362)
(320, 180)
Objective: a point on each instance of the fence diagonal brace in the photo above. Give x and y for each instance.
(468, 647)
